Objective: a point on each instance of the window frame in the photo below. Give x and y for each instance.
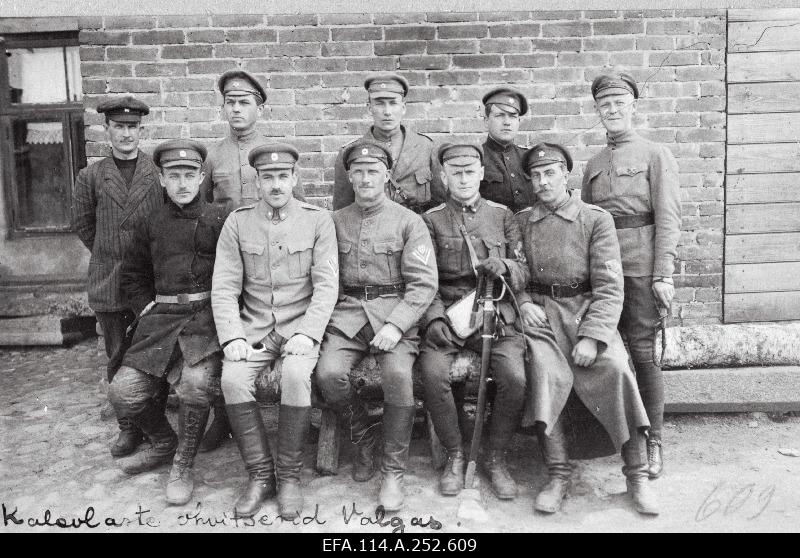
(69, 113)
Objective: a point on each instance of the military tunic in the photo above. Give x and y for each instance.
(385, 244)
(416, 182)
(229, 180)
(172, 253)
(493, 232)
(504, 179)
(573, 244)
(283, 264)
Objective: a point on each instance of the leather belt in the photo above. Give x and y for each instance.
(560, 291)
(183, 298)
(634, 221)
(370, 292)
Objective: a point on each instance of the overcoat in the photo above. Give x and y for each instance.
(106, 213)
(172, 253)
(577, 243)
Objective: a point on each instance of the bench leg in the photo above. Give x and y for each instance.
(438, 457)
(328, 444)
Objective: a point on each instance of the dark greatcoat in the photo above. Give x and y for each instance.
(578, 243)
(172, 253)
(105, 214)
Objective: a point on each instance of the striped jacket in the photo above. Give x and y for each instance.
(105, 214)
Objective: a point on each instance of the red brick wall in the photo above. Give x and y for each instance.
(314, 67)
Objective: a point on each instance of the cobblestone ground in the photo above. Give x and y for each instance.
(723, 473)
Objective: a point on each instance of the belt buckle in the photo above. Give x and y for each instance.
(183, 298)
(367, 295)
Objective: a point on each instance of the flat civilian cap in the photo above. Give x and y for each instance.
(546, 154)
(617, 83)
(273, 156)
(365, 151)
(460, 154)
(179, 153)
(123, 109)
(506, 98)
(386, 85)
(238, 82)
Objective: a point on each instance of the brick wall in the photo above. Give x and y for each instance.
(314, 67)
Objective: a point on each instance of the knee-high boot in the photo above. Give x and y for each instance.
(556, 459)
(293, 425)
(192, 422)
(636, 477)
(397, 425)
(251, 437)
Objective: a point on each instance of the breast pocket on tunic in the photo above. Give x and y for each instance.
(599, 185)
(495, 247)
(300, 255)
(254, 261)
(388, 255)
(422, 178)
(450, 253)
(631, 179)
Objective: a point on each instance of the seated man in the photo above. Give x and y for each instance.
(388, 277)
(279, 257)
(570, 318)
(496, 239)
(166, 276)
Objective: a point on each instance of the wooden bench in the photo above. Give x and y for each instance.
(365, 378)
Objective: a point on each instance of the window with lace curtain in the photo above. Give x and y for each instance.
(41, 115)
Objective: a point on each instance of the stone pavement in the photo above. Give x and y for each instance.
(723, 473)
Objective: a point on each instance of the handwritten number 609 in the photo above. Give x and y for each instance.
(712, 504)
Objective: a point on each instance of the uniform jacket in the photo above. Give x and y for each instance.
(172, 253)
(105, 214)
(634, 175)
(504, 180)
(578, 243)
(383, 245)
(230, 181)
(283, 264)
(416, 172)
(493, 232)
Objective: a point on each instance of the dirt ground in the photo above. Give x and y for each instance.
(724, 473)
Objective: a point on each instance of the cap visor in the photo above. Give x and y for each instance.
(613, 91)
(275, 166)
(125, 117)
(192, 164)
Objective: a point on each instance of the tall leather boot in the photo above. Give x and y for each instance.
(556, 458)
(191, 424)
(130, 436)
(251, 437)
(503, 425)
(152, 421)
(293, 425)
(397, 425)
(636, 476)
(219, 431)
(445, 422)
(363, 436)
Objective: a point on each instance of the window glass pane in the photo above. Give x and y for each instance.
(44, 75)
(42, 176)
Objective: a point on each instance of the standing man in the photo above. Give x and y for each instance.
(414, 179)
(504, 178)
(166, 276)
(279, 257)
(570, 317)
(112, 196)
(636, 181)
(388, 280)
(231, 182)
(496, 241)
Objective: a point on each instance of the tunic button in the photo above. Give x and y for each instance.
(363, 243)
(512, 175)
(275, 265)
(541, 269)
(363, 264)
(472, 237)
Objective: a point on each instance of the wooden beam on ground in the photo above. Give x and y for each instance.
(35, 330)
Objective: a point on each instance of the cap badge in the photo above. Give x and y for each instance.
(510, 100)
(383, 86)
(236, 84)
(126, 109)
(274, 156)
(365, 151)
(182, 153)
(541, 154)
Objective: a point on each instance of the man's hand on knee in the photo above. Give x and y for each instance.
(298, 344)
(439, 333)
(238, 349)
(387, 337)
(585, 351)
